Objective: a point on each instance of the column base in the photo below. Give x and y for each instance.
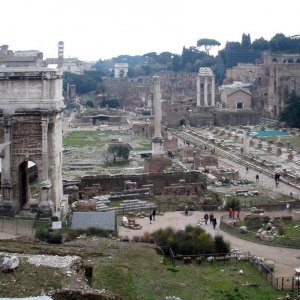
(7, 208)
(44, 210)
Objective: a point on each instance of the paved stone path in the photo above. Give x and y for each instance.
(286, 259)
(264, 180)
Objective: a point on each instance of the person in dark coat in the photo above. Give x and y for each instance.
(211, 218)
(206, 218)
(150, 218)
(153, 214)
(214, 223)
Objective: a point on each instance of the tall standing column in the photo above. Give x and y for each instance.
(205, 91)
(46, 206)
(198, 91)
(213, 96)
(45, 158)
(157, 142)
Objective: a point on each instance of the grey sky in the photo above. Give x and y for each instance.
(93, 29)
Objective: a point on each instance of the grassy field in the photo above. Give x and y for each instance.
(134, 271)
(137, 272)
(88, 138)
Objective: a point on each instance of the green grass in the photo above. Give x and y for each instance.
(291, 237)
(137, 272)
(116, 164)
(88, 138)
(30, 280)
(144, 146)
(81, 139)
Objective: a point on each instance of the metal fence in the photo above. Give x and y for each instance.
(22, 227)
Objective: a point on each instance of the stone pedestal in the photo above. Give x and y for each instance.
(45, 209)
(259, 145)
(279, 152)
(269, 149)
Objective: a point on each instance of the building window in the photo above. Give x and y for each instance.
(239, 105)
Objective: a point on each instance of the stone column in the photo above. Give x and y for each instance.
(198, 91)
(213, 97)
(44, 123)
(157, 142)
(6, 180)
(205, 91)
(46, 207)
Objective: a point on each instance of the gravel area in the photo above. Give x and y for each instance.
(53, 261)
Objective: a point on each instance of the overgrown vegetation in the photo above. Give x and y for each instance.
(291, 111)
(191, 241)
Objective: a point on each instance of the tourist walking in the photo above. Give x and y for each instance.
(247, 169)
(214, 222)
(153, 214)
(150, 218)
(238, 215)
(206, 218)
(211, 218)
(277, 178)
(257, 178)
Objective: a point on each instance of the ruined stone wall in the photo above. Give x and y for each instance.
(157, 164)
(105, 184)
(235, 118)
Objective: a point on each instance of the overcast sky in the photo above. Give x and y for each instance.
(101, 29)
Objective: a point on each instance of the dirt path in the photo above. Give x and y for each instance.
(286, 259)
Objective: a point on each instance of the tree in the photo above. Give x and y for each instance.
(90, 103)
(110, 103)
(291, 112)
(119, 151)
(260, 44)
(246, 40)
(208, 44)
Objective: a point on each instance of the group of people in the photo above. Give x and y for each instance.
(212, 219)
(234, 214)
(152, 215)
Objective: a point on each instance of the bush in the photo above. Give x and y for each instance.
(191, 241)
(234, 203)
(54, 218)
(49, 236)
(42, 235)
(220, 245)
(55, 238)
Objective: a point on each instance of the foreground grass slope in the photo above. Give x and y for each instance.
(135, 271)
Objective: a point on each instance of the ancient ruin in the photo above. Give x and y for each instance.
(31, 107)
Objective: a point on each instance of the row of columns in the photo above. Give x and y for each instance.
(205, 77)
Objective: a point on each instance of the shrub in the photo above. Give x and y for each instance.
(42, 235)
(191, 241)
(54, 218)
(71, 234)
(55, 238)
(49, 236)
(220, 245)
(233, 202)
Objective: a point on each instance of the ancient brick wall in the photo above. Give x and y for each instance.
(105, 184)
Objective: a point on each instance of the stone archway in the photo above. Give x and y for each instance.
(28, 178)
(31, 130)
